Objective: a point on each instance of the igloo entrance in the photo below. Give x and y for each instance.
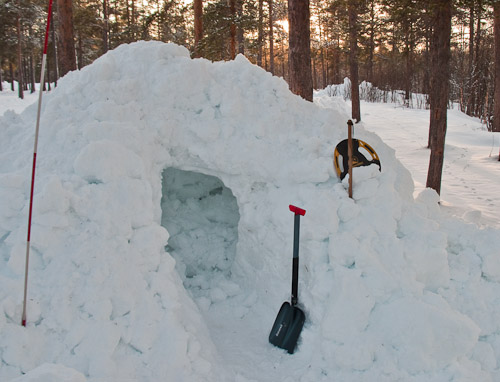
(201, 215)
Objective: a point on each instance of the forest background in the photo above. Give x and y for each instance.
(393, 41)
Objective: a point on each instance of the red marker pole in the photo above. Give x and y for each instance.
(42, 81)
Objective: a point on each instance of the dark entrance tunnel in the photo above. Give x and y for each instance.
(201, 215)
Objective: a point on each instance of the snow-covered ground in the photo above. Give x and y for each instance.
(9, 99)
(162, 239)
(471, 174)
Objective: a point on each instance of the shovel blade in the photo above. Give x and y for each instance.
(287, 327)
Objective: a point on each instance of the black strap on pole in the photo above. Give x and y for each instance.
(295, 265)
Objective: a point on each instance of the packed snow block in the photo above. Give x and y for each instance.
(348, 313)
(51, 373)
(422, 332)
(102, 338)
(201, 215)
(485, 355)
(428, 203)
(14, 340)
(364, 181)
(488, 248)
(425, 250)
(104, 161)
(118, 206)
(12, 197)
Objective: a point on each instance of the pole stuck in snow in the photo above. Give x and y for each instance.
(349, 154)
(42, 81)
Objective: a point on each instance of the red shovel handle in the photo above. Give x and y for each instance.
(297, 210)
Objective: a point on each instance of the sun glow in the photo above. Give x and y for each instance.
(283, 24)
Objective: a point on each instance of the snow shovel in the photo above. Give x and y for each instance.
(290, 319)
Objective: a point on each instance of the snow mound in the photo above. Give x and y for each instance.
(162, 239)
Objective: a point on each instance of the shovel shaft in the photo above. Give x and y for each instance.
(295, 264)
(295, 281)
(296, 235)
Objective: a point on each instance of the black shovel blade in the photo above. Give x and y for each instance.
(287, 327)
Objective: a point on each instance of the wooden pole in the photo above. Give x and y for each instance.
(349, 154)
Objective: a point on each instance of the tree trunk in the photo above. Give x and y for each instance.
(105, 27)
(271, 37)
(353, 59)
(67, 54)
(371, 45)
(80, 53)
(321, 53)
(44, 87)
(240, 37)
(283, 67)
(132, 21)
(409, 61)
(299, 61)
(198, 26)
(260, 32)
(408, 75)
(32, 73)
(232, 6)
(20, 81)
(265, 58)
(427, 56)
(475, 40)
(336, 63)
(54, 50)
(315, 74)
(496, 112)
(477, 44)
(470, 84)
(440, 52)
(471, 38)
(11, 70)
(25, 74)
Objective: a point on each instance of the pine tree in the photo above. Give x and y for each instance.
(496, 113)
(67, 57)
(18, 39)
(440, 52)
(198, 25)
(299, 60)
(271, 36)
(353, 59)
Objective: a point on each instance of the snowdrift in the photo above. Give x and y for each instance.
(162, 239)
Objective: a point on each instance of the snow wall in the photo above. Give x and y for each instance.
(392, 290)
